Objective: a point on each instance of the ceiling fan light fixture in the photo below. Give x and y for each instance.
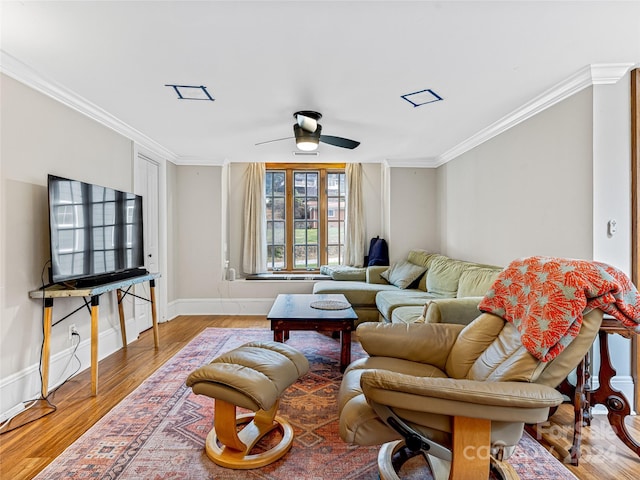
(307, 141)
(306, 146)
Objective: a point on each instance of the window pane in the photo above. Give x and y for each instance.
(336, 201)
(279, 257)
(269, 256)
(312, 184)
(279, 183)
(276, 215)
(312, 233)
(269, 233)
(313, 259)
(333, 233)
(268, 184)
(269, 211)
(299, 208)
(300, 183)
(333, 255)
(300, 256)
(278, 233)
(278, 208)
(313, 212)
(300, 234)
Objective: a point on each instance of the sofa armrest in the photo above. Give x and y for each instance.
(373, 274)
(417, 342)
(500, 401)
(461, 311)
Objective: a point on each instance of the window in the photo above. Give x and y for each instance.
(305, 216)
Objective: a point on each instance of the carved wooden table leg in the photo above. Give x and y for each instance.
(617, 405)
(580, 404)
(579, 395)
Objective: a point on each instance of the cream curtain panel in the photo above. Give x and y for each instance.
(354, 241)
(254, 253)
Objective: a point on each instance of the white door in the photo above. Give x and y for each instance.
(146, 179)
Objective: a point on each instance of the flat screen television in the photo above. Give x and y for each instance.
(96, 233)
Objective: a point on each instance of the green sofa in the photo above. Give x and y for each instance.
(399, 293)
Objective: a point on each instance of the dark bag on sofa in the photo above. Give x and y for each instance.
(378, 252)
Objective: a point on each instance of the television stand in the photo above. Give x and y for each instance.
(93, 293)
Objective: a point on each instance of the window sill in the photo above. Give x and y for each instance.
(288, 276)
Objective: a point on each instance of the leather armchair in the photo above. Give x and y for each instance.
(460, 394)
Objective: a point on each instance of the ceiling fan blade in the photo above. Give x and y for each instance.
(276, 140)
(339, 141)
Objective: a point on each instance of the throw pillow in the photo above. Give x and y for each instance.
(403, 274)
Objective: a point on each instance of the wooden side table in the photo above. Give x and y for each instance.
(584, 397)
(93, 293)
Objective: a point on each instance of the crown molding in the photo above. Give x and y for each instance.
(597, 74)
(14, 68)
(425, 162)
(186, 160)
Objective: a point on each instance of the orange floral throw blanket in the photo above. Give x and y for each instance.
(545, 298)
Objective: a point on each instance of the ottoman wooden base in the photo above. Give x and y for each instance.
(236, 446)
(252, 376)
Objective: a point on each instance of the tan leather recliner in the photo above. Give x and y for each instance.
(461, 394)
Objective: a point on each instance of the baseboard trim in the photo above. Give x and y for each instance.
(25, 385)
(220, 306)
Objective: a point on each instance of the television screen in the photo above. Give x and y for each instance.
(95, 231)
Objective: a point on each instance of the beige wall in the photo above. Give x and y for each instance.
(198, 230)
(548, 187)
(525, 192)
(40, 136)
(412, 211)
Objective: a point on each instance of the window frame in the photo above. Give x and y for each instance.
(323, 170)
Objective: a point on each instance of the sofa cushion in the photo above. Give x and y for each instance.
(421, 257)
(474, 282)
(402, 274)
(424, 258)
(387, 301)
(461, 311)
(373, 274)
(407, 314)
(443, 276)
(343, 272)
(357, 293)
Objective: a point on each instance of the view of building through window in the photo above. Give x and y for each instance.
(305, 217)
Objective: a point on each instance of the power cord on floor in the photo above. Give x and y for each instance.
(45, 398)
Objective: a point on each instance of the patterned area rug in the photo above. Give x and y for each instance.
(159, 430)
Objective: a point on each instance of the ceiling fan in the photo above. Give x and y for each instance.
(307, 132)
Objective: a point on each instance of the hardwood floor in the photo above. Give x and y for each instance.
(27, 450)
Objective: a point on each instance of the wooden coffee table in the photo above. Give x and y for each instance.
(294, 312)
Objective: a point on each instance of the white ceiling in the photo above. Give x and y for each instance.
(351, 61)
